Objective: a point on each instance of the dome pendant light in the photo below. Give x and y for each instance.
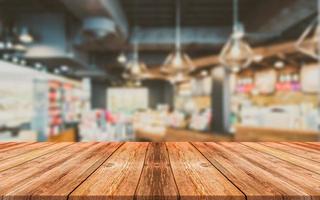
(236, 53)
(308, 43)
(177, 62)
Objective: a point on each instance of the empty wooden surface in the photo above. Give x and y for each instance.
(90, 171)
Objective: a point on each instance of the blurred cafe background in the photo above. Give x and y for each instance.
(166, 70)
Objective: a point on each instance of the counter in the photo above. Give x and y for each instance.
(256, 134)
(181, 135)
(183, 170)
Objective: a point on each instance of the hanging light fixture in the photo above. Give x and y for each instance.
(25, 36)
(177, 62)
(135, 70)
(236, 53)
(122, 59)
(308, 41)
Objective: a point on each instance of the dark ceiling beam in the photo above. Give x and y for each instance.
(275, 17)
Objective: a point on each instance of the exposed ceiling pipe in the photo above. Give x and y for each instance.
(103, 9)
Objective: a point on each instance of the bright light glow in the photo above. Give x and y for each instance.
(20, 47)
(258, 58)
(177, 62)
(122, 58)
(25, 36)
(236, 54)
(279, 64)
(204, 73)
(64, 68)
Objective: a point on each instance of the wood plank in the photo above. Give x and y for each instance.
(21, 149)
(59, 179)
(30, 155)
(12, 145)
(118, 177)
(24, 173)
(157, 179)
(254, 181)
(295, 150)
(296, 160)
(303, 145)
(195, 176)
(301, 178)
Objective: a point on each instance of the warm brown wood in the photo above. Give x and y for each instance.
(297, 176)
(157, 179)
(68, 135)
(29, 155)
(254, 181)
(94, 171)
(269, 134)
(59, 175)
(17, 150)
(296, 160)
(118, 177)
(12, 145)
(196, 178)
(295, 150)
(265, 51)
(181, 135)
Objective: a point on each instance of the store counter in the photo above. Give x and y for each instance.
(179, 135)
(91, 171)
(256, 134)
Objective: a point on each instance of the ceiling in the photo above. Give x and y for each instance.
(203, 13)
(209, 21)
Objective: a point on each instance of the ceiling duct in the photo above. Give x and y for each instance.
(98, 27)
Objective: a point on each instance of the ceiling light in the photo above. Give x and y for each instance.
(236, 53)
(177, 62)
(122, 58)
(258, 58)
(135, 70)
(279, 64)
(25, 36)
(64, 68)
(204, 73)
(308, 43)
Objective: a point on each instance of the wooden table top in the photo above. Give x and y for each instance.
(82, 171)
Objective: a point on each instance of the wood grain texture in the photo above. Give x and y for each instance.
(94, 171)
(157, 179)
(295, 150)
(61, 175)
(295, 176)
(19, 149)
(29, 155)
(293, 159)
(254, 181)
(118, 177)
(196, 178)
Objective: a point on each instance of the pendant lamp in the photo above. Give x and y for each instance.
(177, 62)
(135, 70)
(308, 42)
(236, 53)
